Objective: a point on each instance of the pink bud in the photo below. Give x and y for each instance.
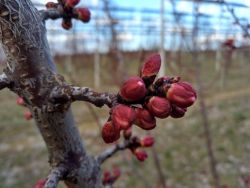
(83, 14)
(71, 3)
(144, 119)
(116, 172)
(147, 141)
(28, 115)
(159, 107)
(110, 133)
(123, 116)
(181, 94)
(177, 112)
(141, 155)
(151, 68)
(133, 89)
(40, 183)
(67, 24)
(20, 101)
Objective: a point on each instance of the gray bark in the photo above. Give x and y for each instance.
(33, 77)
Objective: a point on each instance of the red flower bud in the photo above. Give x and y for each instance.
(177, 112)
(67, 24)
(110, 133)
(83, 14)
(106, 177)
(50, 5)
(40, 183)
(144, 119)
(147, 141)
(20, 101)
(150, 68)
(28, 115)
(133, 89)
(71, 3)
(123, 116)
(159, 107)
(141, 155)
(181, 94)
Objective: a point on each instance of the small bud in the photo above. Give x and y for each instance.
(71, 3)
(147, 141)
(127, 133)
(133, 89)
(83, 14)
(144, 119)
(67, 24)
(106, 177)
(177, 112)
(123, 116)
(116, 172)
(110, 133)
(181, 94)
(20, 101)
(40, 183)
(141, 155)
(150, 69)
(159, 107)
(50, 5)
(28, 115)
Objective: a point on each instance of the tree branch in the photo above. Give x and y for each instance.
(4, 81)
(51, 14)
(71, 93)
(111, 151)
(55, 175)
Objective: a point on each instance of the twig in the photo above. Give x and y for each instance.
(55, 175)
(4, 81)
(236, 19)
(111, 151)
(51, 14)
(203, 109)
(66, 93)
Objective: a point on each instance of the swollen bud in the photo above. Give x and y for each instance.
(28, 115)
(150, 69)
(181, 94)
(144, 119)
(67, 24)
(106, 177)
(159, 107)
(147, 141)
(71, 3)
(110, 133)
(83, 14)
(177, 112)
(133, 89)
(141, 155)
(123, 116)
(20, 101)
(40, 183)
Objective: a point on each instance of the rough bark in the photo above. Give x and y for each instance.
(33, 76)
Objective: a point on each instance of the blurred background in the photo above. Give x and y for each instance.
(206, 42)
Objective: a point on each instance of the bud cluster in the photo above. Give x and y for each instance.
(109, 177)
(142, 99)
(137, 143)
(40, 183)
(70, 11)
